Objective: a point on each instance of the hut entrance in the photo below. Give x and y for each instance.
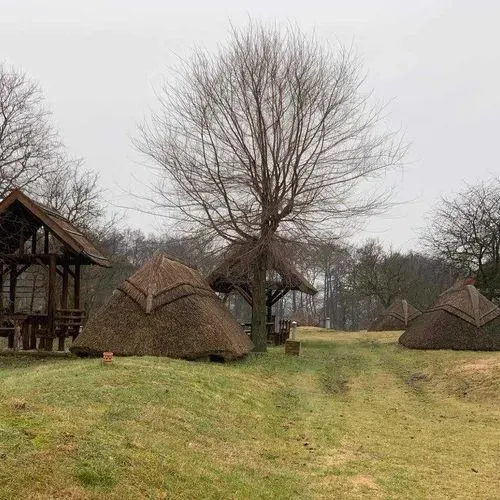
(41, 256)
(233, 274)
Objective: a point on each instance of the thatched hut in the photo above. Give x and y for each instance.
(164, 309)
(462, 318)
(398, 316)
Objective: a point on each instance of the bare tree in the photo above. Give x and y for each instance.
(465, 231)
(270, 136)
(28, 143)
(74, 192)
(388, 274)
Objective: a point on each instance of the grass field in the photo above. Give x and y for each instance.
(356, 416)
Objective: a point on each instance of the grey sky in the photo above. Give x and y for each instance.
(437, 62)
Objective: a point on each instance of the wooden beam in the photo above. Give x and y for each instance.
(22, 240)
(51, 303)
(269, 305)
(76, 293)
(32, 336)
(77, 279)
(246, 294)
(12, 287)
(26, 335)
(41, 259)
(45, 240)
(59, 272)
(1, 285)
(12, 299)
(64, 302)
(22, 269)
(280, 294)
(33, 242)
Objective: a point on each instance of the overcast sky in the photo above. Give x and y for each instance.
(437, 64)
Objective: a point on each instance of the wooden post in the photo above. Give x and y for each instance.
(26, 335)
(22, 241)
(64, 301)
(76, 295)
(46, 241)
(269, 305)
(12, 300)
(33, 328)
(1, 286)
(33, 242)
(77, 286)
(51, 305)
(12, 288)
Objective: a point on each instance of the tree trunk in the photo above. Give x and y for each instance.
(259, 330)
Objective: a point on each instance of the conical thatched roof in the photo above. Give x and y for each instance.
(462, 318)
(164, 309)
(235, 270)
(397, 316)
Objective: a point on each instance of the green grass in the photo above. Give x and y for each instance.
(355, 416)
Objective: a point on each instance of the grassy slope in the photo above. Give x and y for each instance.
(355, 416)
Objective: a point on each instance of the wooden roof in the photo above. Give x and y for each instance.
(234, 271)
(19, 212)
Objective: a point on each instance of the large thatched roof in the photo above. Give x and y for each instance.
(397, 316)
(462, 318)
(235, 270)
(164, 309)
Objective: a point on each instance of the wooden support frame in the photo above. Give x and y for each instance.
(12, 299)
(33, 241)
(76, 290)
(45, 241)
(12, 287)
(37, 235)
(272, 297)
(246, 293)
(51, 304)
(22, 241)
(1, 285)
(64, 302)
(22, 269)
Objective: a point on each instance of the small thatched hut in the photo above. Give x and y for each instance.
(164, 309)
(462, 318)
(397, 316)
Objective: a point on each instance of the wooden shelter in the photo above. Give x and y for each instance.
(234, 273)
(33, 235)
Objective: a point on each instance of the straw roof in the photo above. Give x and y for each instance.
(19, 213)
(164, 309)
(462, 318)
(235, 270)
(396, 317)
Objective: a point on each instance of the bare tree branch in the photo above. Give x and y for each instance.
(29, 146)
